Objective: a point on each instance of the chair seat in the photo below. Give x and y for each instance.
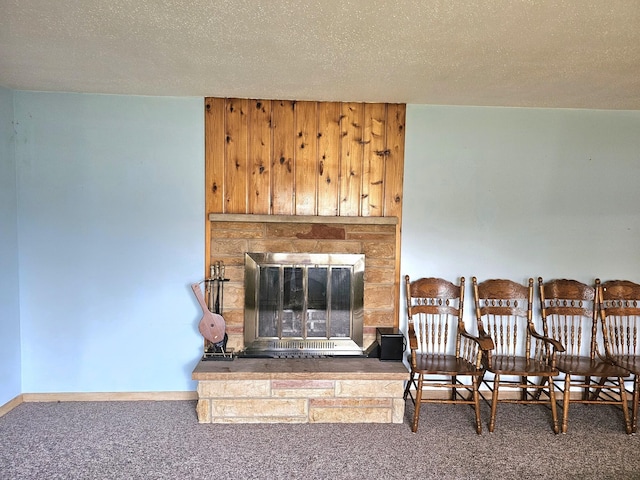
(584, 366)
(508, 365)
(444, 365)
(628, 362)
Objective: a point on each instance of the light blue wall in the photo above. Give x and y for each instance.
(514, 193)
(10, 382)
(110, 221)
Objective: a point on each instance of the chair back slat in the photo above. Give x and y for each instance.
(503, 312)
(620, 316)
(569, 315)
(435, 308)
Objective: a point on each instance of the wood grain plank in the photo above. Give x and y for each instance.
(394, 169)
(259, 194)
(214, 154)
(282, 166)
(306, 159)
(373, 172)
(236, 156)
(351, 154)
(394, 175)
(328, 157)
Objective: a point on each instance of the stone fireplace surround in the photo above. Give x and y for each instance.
(325, 390)
(231, 235)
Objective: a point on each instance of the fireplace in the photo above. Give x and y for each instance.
(303, 304)
(232, 236)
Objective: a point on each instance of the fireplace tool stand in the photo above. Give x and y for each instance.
(214, 292)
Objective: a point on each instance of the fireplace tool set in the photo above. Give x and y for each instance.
(212, 325)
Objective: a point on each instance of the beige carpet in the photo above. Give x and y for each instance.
(162, 440)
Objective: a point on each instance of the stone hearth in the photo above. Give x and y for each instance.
(300, 390)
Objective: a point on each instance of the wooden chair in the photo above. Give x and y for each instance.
(569, 312)
(620, 317)
(504, 314)
(441, 349)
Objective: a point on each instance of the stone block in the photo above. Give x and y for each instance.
(302, 384)
(380, 249)
(259, 407)
(228, 247)
(238, 420)
(336, 246)
(397, 413)
(378, 296)
(350, 403)
(203, 410)
(287, 230)
(302, 388)
(233, 296)
(379, 318)
(303, 393)
(350, 415)
(235, 259)
(363, 228)
(234, 317)
(249, 227)
(379, 275)
(235, 273)
(380, 262)
(233, 388)
(236, 341)
(258, 246)
(373, 236)
(252, 231)
(369, 388)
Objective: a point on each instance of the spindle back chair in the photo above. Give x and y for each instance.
(569, 311)
(441, 348)
(620, 317)
(504, 313)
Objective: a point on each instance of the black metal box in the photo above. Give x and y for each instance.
(392, 344)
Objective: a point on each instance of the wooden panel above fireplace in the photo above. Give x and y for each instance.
(282, 157)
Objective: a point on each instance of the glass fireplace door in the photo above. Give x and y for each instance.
(304, 299)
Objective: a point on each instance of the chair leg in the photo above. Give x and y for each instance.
(523, 391)
(453, 389)
(476, 404)
(416, 413)
(554, 410)
(541, 383)
(409, 382)
(598, 389)
(585, 391)
(634, 406)
(565, 402)
(625, 406)
(494, 403)
(480, 379)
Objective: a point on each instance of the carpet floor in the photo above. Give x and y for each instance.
(163, 440)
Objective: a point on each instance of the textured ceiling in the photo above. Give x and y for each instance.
(544, 53)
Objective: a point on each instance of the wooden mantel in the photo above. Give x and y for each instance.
(238, 217)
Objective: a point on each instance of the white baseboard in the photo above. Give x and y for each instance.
(10, 405)
(96, 397)
(108, 396)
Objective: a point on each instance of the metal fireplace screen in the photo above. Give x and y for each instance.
(303, 304)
